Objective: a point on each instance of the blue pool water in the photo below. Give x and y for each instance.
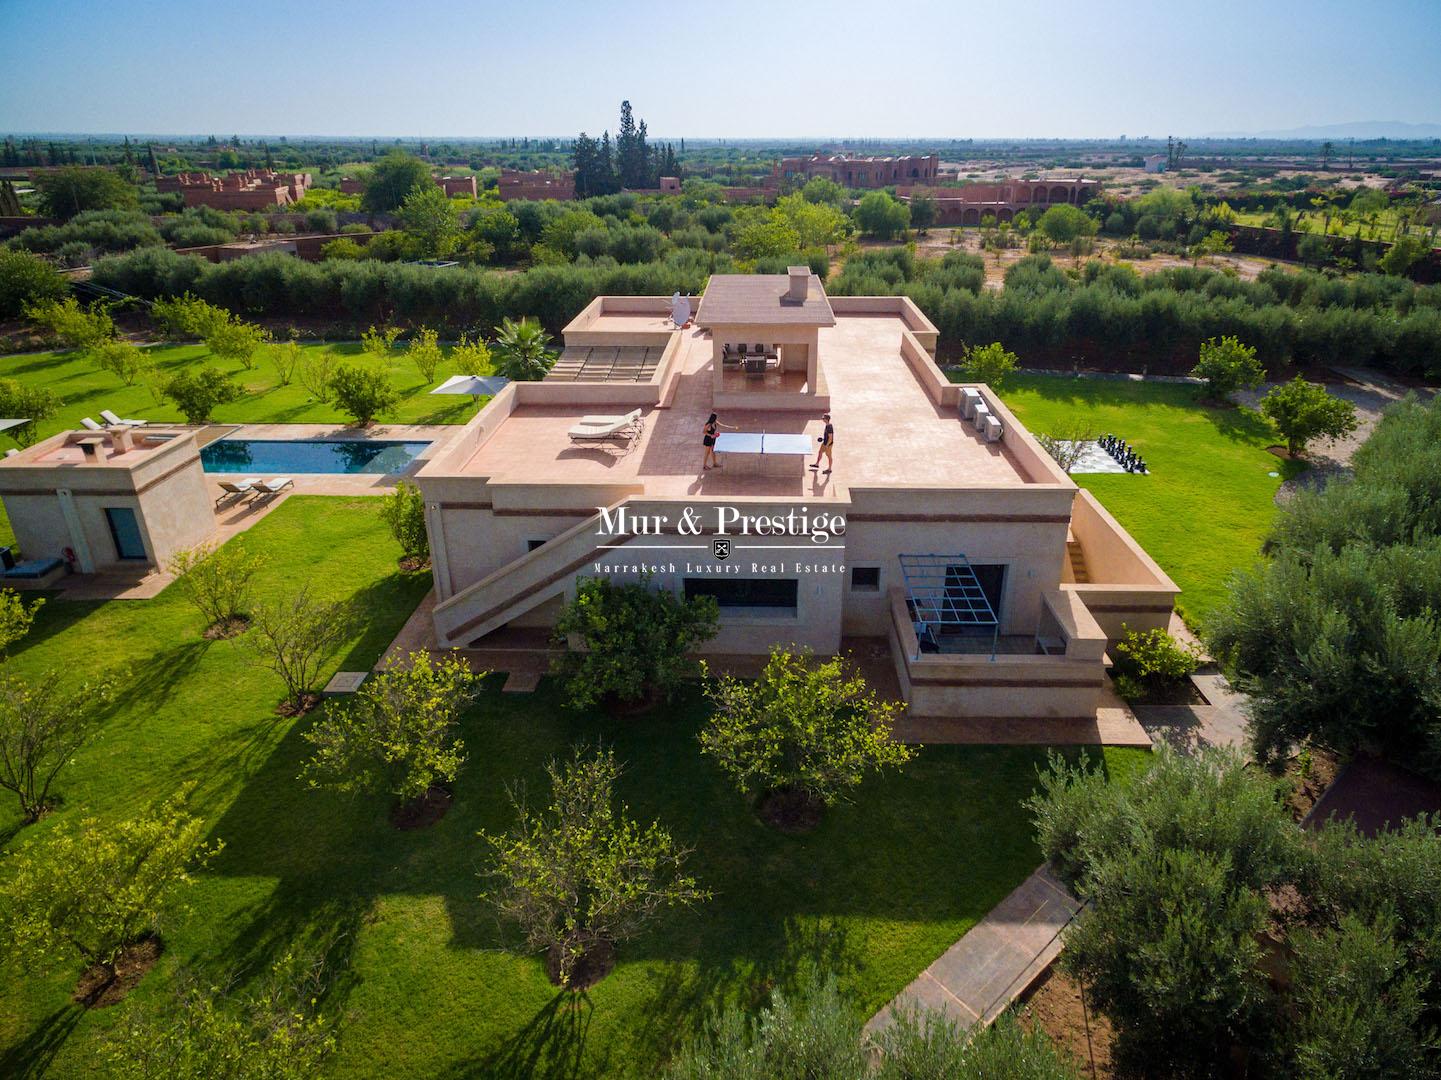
(281, 457)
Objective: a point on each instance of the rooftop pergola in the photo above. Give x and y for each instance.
(765, 330)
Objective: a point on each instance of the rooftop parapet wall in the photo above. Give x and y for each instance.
(902, 307)
(1127, 586)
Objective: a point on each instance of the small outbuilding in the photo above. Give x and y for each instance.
(124, 497)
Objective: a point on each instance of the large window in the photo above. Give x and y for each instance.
(769, 594)
(125, 531)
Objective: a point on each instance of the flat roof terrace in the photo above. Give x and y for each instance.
(889, 432)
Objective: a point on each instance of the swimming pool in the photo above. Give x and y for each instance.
(280, 457)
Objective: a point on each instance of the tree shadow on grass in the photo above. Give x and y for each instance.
(384, 606)
(1239, 425)
(31, 1057)
(153, 680)
(552, 1044)
(57, 616)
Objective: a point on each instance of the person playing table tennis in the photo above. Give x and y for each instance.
(827, 441)
(712, 428)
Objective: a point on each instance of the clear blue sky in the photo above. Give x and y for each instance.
(944, 68)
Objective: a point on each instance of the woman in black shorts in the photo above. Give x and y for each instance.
(712, 429)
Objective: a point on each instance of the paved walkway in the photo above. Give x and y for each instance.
(980, 975)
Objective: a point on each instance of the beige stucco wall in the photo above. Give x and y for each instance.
(1127, 586)
(165, 487)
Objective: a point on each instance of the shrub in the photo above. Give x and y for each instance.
(70, 190)
(211, 1029)
(396, 735)
(182, 317)
(470, 357)
(634, 641)
(424, 352)
(93, 889)
(287, 357)
(72, 325)
(121, 359)
(342, 247)
(1152, 656)
(41, 728)
(379, 341)
(34, 403)
(1226, 365)
(317, 368)
(293, 638)
(236, 341)
(362, 392)
(196, 395)
(1303, 411)
(581, 876)
(801, 728)
(403, 512)
(16, 618)
(990, 364)
(216, 580)
(27, 281)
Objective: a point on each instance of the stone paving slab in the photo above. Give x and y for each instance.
(982, 973)
(345, 682)
(521, 682)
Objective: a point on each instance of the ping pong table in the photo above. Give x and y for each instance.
(764, 452)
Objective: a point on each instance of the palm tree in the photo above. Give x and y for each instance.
(520, 350)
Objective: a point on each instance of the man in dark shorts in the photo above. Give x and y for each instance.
(827, 441)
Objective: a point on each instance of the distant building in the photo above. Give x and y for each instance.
(536, 185)
(1155, 163)
(967, 205)
(253, 189)
(456, 185)
(858, 172)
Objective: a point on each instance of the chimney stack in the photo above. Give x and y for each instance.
(800, 283)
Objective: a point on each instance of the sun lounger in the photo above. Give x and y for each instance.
(89, 424)
(241, 489)
(115, 421)
(274, 486)
(618, 427)
(601, 420)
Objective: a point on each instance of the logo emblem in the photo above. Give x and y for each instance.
(721, 549)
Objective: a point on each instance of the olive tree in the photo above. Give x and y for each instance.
(362, 391)
(35, 404)
(1302, 411)
(210, 1029)
(633, 642)
(216, 579)
(16, 617)
(991, 364)
(42, 725)
(403, 512)
(424, 352)
(92, 890)
(293, 638)
(803, 734)
(397, 734)
(581, 876)
(1226, 365)
(196, 395)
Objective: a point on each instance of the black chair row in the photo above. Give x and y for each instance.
(1121, 451)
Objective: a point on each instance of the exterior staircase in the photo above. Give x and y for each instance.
(516, 587)
(1077, 559)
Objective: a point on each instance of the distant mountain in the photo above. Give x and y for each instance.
(1360, 129)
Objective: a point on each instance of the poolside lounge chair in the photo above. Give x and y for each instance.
(274, 486)
(617, 427)
(114, 421)
(89, 424)
(240, 490)
(602, 420)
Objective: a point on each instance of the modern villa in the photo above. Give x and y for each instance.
(945, 534)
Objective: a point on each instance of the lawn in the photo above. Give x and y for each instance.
(880, 890)
(1378, 226)
(1209, 500)
(85, 389)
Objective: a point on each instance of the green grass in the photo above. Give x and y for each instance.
(425, 989)
(1209, 500)
(85, 389)
(1384, 227)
